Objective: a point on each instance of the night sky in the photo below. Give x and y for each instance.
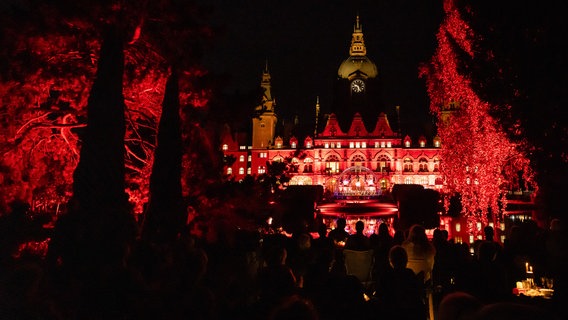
(306, 41)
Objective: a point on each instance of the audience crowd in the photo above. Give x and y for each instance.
(258, 275)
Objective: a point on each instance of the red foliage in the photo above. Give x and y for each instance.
(478, 158)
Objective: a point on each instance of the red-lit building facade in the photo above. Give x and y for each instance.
(321, 158)
(352, 151)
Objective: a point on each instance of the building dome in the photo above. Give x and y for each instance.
(357, 65)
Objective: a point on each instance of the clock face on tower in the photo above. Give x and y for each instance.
(357, 86)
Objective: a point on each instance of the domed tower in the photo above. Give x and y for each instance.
(264, 120)
(357, 89)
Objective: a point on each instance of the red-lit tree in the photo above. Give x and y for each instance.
(48, 62)
(479, 160)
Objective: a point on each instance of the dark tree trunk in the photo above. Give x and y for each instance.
(165, 216)
(98, 227)
(99, 176)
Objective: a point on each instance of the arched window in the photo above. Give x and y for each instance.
(358, 160)
(383, 164)
(436, 165)
(308, 165)
(225, 147)
(241, 158)
(229, 170)
(422, 165)
(241, 170)
(332, 164)
(294, 165)
(407, 165)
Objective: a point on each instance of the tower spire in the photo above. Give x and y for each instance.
(268, 102)
(317, 116)
(357, 43)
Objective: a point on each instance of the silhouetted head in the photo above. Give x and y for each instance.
(417, 234)
(398, 257)
(359, 226)
(383, 229)
(341, 223)
(489, 233)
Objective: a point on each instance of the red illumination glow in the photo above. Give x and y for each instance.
(478, 158)
(44, 109)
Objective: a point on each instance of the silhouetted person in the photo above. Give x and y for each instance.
(339, 234)
(339, 237)
(381, 244)
(398, 237)
(459, 306)
(420, 251)
(443, 273)
(400, 291)
(294, 308)
(276, 279)
(358, 241)
(487, 278)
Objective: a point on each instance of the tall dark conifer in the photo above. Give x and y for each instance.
(98, 226)
(165, 213)
(99, 176)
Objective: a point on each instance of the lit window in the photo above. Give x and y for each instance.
(423, 165)
(261, 169)
(241, 170)
(293, 145)
(351, 145)
(242, 147)
(225, 147)
(249, 170)
(357, 144)
(422, 143)
(339, 144)
(382, 144)
(249, 158)
(407, 144)
(308, 145)
(408, 165)
(332, 164)
(262, 155)
(363, 144)
(424, 180)
(326, 145)
(383, 164)
(389, 144)
(437, 142)
(229, 170)
(308, 165)
(333, 144)
(458, 227)
(242, 158)
(376, 144)
(408, 180)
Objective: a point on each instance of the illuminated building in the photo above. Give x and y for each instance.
(322, 158)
